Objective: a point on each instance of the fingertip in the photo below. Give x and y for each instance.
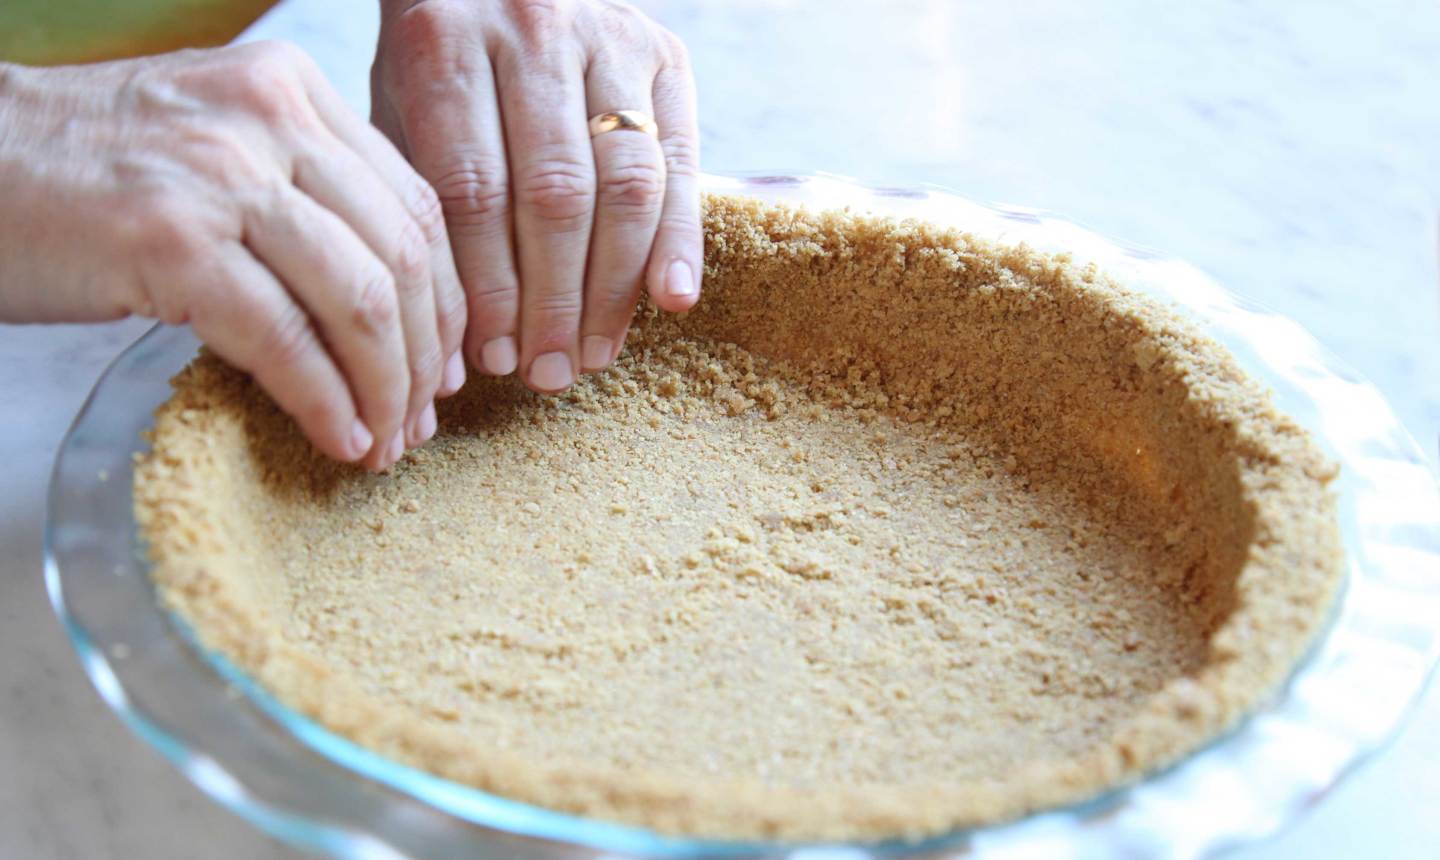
(678, 288)
(359, 443)
(551, 372)
(596, 351)
(453, 378)
(620, 345)
(422, 428)
(383, 456)
(428, 424)
(499, 357)
(413, 429)
(678, 304)
(394, 451)
(680, 281)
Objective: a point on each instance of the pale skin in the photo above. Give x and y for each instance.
(356, 272)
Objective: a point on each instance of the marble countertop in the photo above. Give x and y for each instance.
(1293, 150)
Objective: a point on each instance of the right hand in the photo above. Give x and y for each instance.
(556, 233)
(233, 189)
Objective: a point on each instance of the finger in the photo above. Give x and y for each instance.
(630, 186)
(383, 115)
(420, 201)
(349, 294)
(676, 260)
(443, 90)
(342, 182)
(543, 100)
(247, 317)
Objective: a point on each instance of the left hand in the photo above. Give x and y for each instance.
(554, 232)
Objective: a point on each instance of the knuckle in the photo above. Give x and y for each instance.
(158, 299)
(287, 339)
(682, 154)
(554, 311)
(538, 21)
(476, 194)
(165, 230)
(374, 306)
(224, 159)
(280, 53)
(269, 91)
(623, 24)
(613, 308)
(412, 258)
(259, 73)
(558, 191)
(672, 49)
(425, 207)
(452, 317)
(612, 292)
(268, 81)
(425, 367)
(430, 47)
(494, 291)
(423, 25)
(683, 229)
(635, 187)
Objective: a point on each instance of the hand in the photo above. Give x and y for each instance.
(233, 190)
(553, 232)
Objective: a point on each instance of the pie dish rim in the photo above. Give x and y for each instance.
(1280, 346)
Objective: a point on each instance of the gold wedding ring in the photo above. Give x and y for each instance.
(622, 120)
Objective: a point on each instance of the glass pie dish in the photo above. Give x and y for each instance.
(311, 787)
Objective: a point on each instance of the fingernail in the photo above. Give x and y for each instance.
(551, 372)
(419, 429)
(595, 352)
(499, 357)
(360, 439)
(679, 280)
(392, 453)
(454, 375)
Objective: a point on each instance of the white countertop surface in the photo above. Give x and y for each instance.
(1293, 150)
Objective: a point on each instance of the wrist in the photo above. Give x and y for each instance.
(44, 276)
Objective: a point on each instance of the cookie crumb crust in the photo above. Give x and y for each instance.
(898, 532)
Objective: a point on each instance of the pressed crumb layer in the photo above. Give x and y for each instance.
(898, 532)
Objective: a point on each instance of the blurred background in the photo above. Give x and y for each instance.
(1291, 149)
(50, 32)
